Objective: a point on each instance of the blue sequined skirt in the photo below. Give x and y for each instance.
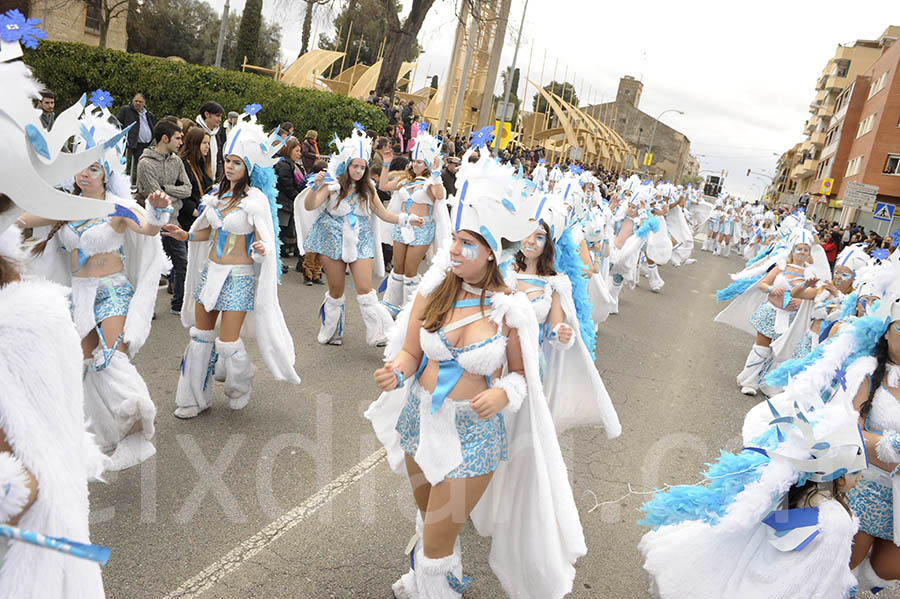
(327, 231)
(113, 297)
(483, 442)
(763, 320)
(238, 292)
(804, 346)
(873, 504)
(424, 234)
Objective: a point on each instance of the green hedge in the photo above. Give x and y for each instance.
(70, 69)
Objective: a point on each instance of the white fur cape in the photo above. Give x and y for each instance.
(266, 321)
(143, 263)
(528, 507)
(573, 387)
(42, 416)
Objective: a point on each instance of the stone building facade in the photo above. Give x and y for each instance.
(74, 20)
(671, 149)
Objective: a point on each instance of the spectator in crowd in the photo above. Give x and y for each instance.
(291, 181)
(830, 245)
(209, 119)
(286, 129)
(372, 99)
(141, 135)
(448, 175)
(413, 133)
(406, 115)
(377, 161)
(312, 263)
(231, 122)
(186, 126)
(195, 156)
(309, 151)
(48, 103)
(160, 169)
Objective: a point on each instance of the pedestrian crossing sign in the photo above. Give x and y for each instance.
(883, 211)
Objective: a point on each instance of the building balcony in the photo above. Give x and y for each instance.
(818, 139)
(805, 169)
(835, 83)
(806, 146)
(810, 126)
(825, 111)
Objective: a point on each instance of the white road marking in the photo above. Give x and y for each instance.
(205, 580)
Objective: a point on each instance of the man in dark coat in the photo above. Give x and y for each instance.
(141, 135)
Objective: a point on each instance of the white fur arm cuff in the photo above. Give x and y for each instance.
(260, 258)
(403, 219)
(516, 389)
(158, 216)
(13, 486)
(888, 448)
(554, 337)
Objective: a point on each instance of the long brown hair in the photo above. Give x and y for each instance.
(545, 261)
(440, 302)
(39, 247)
(800, 495)
(363, 188)
(8, 271)
(239, 190)
(289, 145)
(191, 152)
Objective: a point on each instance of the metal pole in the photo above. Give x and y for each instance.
(509, 76)
(222, 29)
(652, 135)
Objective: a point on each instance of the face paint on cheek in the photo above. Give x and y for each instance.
(469, 251)
(540, 241)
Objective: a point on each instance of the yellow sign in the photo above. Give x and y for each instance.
(826, 186)
(648, 159)
(505, 137)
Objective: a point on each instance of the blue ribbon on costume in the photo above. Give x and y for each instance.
(793, 529)
(787, 298)
(449, 373)
(94, 553)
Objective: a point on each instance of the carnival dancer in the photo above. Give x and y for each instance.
(233, 271)
(113, 266)
(658, 249)
(46, 454)
(419, 191)
(345, 234)
(598, 234)
(462, 388)
(712, 227)
(539, 174)
(770, 523)
(573, 387)
(726, 233)
(679, 229)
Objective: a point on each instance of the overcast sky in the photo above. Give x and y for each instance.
(744, 74)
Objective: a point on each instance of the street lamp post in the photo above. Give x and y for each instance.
(653, 133)
(509, 75)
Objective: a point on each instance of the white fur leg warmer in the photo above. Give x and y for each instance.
(331, 316)
(888, 448)
(119, 411)
(393, 294)
(405, 587)
(410, 284)
(13, 486)
(195, 383)
(376, 318)
(440, 578)
(757, 361)
(868, 580)
(656, 281)
(239, 372)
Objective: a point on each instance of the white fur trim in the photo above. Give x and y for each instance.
(559, 343)
(157, 217)
(516, 389)
(13, 486)
(885, 448)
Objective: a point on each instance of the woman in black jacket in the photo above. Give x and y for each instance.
(195, 155)
(291, 181)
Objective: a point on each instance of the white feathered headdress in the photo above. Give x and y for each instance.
(248, 140)
(426, 148)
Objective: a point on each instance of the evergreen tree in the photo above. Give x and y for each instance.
(248, 32)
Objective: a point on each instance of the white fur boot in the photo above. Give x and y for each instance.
(195, 383)
(393, 294)
(868, 580)
(410, 284)
(376, 318)
(440, 578)
(757, 361)
(239, 372)
(707, 244)
(220, 374)
(727, 250)
(615, 288)
(405, 587)
(118, 409)
(332, 316)
(656, 281)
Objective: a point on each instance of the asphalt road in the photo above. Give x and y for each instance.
(291, 497)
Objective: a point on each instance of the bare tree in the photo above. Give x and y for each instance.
(400, 39)
(307, 23)
(104, 11)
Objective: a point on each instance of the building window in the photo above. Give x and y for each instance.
(841, 68)
(853, 166)
(866, 125)
(92, 15)
(892, 166)
(878, 84)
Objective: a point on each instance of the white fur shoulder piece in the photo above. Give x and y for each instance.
(13, 486)
(561, 284)
(11, 245)
(436, 273)
(513, 308)
(256, 203)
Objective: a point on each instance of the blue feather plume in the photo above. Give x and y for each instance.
(762, 254)
(567, 261)
(848, 306)
(737, 288)
(648, 226)
(726, 477)
(263, 178)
